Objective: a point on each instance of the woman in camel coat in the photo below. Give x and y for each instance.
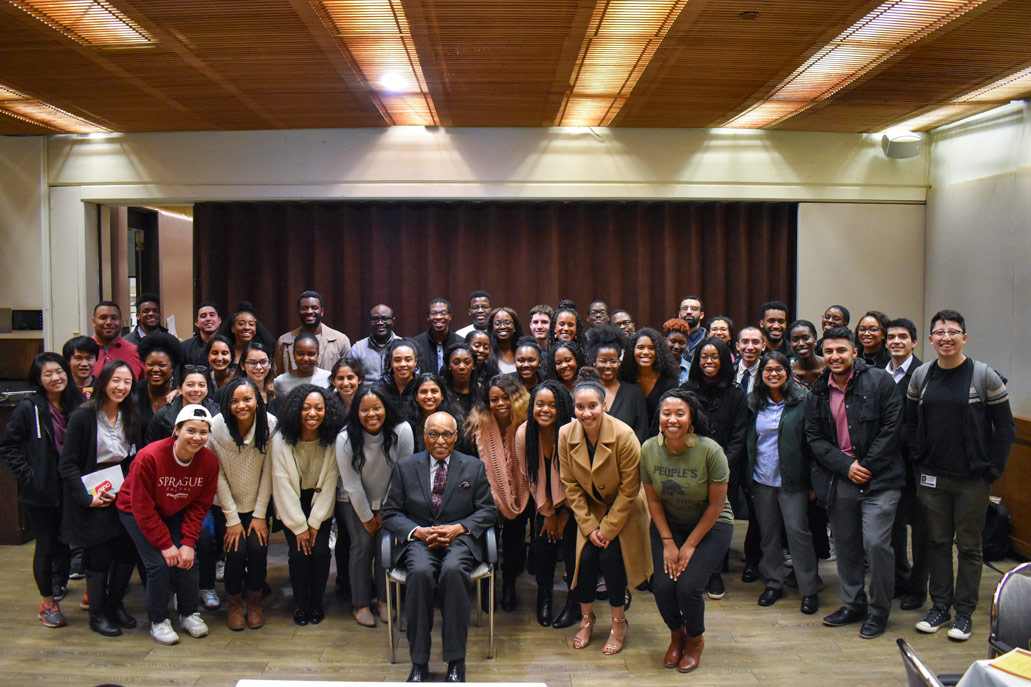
(599, 459)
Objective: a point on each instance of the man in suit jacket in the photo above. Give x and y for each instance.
(910, 582)
(439, 507)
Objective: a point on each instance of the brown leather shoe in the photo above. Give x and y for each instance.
(234, 616)
(692, 654)
(676, 648)
(255, 614)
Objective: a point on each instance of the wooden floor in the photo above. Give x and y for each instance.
(745, 644)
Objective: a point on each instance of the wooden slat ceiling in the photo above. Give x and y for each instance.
(270, 64)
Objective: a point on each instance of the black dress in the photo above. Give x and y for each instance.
(630, 407)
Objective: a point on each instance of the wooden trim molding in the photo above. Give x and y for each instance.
(1013, 488)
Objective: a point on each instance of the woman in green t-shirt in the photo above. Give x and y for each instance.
(685, 475)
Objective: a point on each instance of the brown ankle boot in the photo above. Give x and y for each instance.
(255, 616)
(676, 647)
(692, 654)
(234, 616)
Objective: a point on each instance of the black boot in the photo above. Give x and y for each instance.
(114, 606)
(544, 606)
(569, 616)
(96, 587)
(508, 596)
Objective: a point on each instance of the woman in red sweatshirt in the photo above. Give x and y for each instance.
(169, 490)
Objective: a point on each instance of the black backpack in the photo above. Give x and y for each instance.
(995, 538)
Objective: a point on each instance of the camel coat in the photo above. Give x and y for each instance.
(622, 511)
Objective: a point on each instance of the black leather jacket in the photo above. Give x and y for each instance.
(874, 412)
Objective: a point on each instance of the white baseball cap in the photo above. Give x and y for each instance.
(193, 411)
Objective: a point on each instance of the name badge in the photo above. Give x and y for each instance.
(929, 481)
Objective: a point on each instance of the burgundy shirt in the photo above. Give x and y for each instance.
(119, 350)
(837, 399)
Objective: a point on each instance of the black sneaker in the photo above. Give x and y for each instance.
(714, 588)
(933, 621)
(961, 627)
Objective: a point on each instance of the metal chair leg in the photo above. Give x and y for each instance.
(479, 602)
(390, 626)
(490, 619)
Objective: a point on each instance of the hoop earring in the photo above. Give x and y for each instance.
(692, 438)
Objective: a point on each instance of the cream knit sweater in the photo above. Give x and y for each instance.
(244, 473)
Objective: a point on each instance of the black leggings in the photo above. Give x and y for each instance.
(607, 562)
(513, 545)
(52, 557)
(308, 573)
(248, 565)
(546, 554)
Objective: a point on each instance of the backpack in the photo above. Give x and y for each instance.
(979, 381)
(995, 538)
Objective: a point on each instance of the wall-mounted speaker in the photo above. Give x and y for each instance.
(901, 145)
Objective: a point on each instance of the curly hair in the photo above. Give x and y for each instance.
(604, 336)
(572, 347)
(699, 421)
(563, 416)
(261, 332)
(289, 415)
(579, 326)
(261, 430)
(481, 413)
(356, 431)
(676, 325)
(793, 394)
(665, 366)
(161, 342)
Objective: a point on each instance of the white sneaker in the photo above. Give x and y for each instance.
(163, 633)
(220, 571)
(194, 625)
(209, 598)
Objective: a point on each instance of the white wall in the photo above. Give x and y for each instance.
(416, 162)
(22, 211)
(979, 239)
(862, 256)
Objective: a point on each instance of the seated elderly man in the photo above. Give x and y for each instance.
(439, 507)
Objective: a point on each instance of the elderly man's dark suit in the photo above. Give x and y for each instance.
(441, 572)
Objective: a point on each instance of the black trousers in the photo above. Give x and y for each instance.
(247, 567)
(438, 575)
(546, 554)
(513, 545)
(52, 558)
(309, 572)
(681, 602)
(607, 562)
(163, 581)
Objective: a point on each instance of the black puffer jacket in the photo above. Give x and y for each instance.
(29, 450)
(874, 412)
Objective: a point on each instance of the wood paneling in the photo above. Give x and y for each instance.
(268, 64)
(1013, 488)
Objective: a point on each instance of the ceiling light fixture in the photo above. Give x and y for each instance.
(998, 92)
(379, 42)
(27, 109)
(88, 22)
(621, 39)
(879, 35)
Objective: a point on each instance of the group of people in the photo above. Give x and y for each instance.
(625, 453)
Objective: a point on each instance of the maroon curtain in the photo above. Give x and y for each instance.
(641, 256)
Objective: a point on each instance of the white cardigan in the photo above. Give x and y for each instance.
(286, 487)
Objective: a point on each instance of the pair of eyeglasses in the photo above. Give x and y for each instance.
(437, 436)
(258, 363)
(202, 369)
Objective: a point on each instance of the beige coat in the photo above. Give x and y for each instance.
(622, 510)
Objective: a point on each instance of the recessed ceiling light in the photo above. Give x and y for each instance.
(878, 36)
(89, 22)
(621, 39)
(392, 81)
(377, 38)
(28, 109)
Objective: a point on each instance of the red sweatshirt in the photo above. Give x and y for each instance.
(158, 486)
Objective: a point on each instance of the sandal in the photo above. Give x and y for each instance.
(614, 645)
(586, 623)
